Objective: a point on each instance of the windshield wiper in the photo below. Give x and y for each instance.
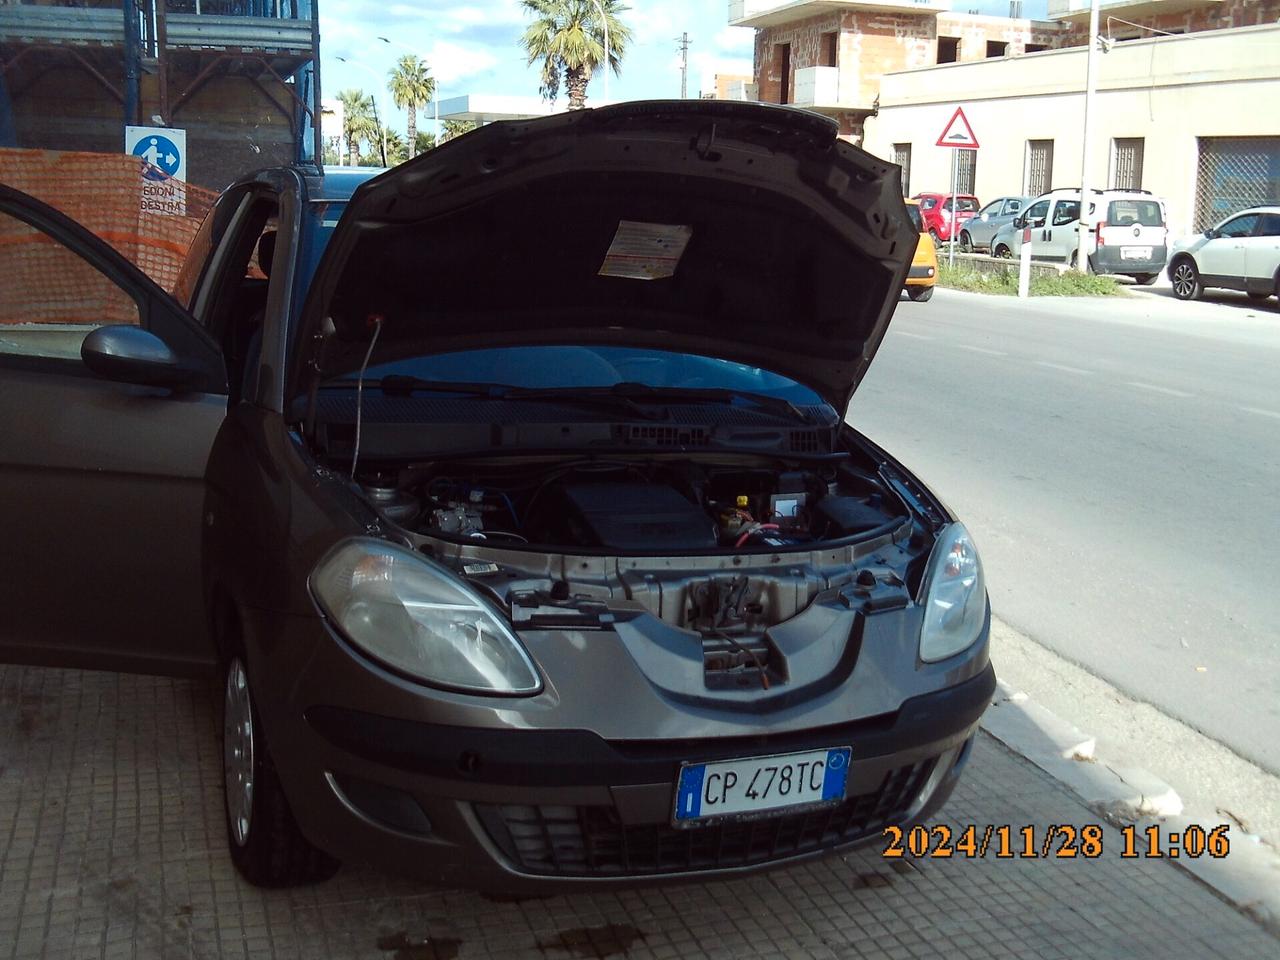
(761, 401)
(637, 398)
(394, 384)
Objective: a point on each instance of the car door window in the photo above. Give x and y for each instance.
(1241, 226)
(991, 209)
(1270, 226)
(51, 297)
(1067, 211)
(1037, 212)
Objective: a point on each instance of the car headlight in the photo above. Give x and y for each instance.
(955, 595)
(418, 618)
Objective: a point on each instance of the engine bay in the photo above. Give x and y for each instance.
(634, 506)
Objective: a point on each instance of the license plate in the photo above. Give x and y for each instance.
(742, 789)
(1135, 253)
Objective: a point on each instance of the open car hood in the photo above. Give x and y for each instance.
(742, 231)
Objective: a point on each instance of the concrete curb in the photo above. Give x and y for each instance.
(1249, 878)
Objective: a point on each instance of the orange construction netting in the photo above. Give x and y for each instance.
(42, 282)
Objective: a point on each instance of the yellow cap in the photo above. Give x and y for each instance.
(743, 500)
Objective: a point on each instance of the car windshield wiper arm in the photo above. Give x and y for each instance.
(762, 401)
(399, 384)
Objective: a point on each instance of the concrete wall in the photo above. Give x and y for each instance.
(1167, 90)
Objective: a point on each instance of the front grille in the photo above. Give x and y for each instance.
(593, 842)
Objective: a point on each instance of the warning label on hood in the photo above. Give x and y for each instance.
(645, 251)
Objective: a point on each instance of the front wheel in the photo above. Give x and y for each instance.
(933, 235)
(1255, 295)
(920, 294)
(966, 242)
(1003, 253)
(1186, 280)
(266, 845)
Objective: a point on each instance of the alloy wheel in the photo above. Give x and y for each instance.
(1184, 280)
(237, 751)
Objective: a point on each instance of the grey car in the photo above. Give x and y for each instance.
(515, 509)
(979, 232)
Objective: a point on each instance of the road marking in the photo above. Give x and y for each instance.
(990, 353)
(1165, 390)
(1260, 412)
(1062, 366)
(913, 336)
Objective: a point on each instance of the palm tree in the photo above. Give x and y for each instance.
(357, 121)
(568, 37)
(397, 152)
(411, 89)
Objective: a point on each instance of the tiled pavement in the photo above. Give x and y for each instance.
(112, 845)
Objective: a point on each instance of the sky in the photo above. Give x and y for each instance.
(474, 47)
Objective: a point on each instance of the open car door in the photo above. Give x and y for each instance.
(110, 397)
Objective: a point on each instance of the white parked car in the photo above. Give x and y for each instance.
(1130, 236)
(1240, 253)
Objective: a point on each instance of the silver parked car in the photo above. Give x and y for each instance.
(979, 232)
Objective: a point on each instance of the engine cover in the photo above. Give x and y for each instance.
(629, 517)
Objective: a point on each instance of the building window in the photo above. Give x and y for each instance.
(996, 48)
(948, 49)
(1036, 47)
(782, 57)
(902, 157)
(830, 44)
(1126, 163)
(966, 170)
(1039, 172)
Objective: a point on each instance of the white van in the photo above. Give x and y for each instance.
(1131, 235)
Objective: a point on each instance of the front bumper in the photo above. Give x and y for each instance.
(527, 810)
(922, 275)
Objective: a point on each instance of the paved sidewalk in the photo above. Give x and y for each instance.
(112, 845)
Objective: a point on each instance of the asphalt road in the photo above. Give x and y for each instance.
(1118, 462)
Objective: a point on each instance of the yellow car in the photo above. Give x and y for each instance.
(924, 265)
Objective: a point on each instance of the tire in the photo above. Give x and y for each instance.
(920, 294)
(1254, 295)
(1186, 280)
(937, 240)
(266, 845)
(966, 242)
(1145, 279)
(1002, 253)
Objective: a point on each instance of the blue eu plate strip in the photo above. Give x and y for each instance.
(689, 796)
(836, 774)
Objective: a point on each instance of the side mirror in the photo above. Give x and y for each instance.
(1020, 223)
(1210, 233)
(983, 218)
(132, 355)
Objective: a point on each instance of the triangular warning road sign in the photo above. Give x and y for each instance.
(958, 133)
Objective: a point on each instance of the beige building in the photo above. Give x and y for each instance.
(1193, 118)
(1186, 105)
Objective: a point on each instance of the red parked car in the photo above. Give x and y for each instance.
(936, 212)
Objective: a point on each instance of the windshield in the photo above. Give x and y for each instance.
(578, 366)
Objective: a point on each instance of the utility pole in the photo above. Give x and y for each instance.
(1090, 85)
(683, 40)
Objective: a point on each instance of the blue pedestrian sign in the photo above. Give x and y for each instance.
(163, 148)
(162, 155)
(164, 170)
